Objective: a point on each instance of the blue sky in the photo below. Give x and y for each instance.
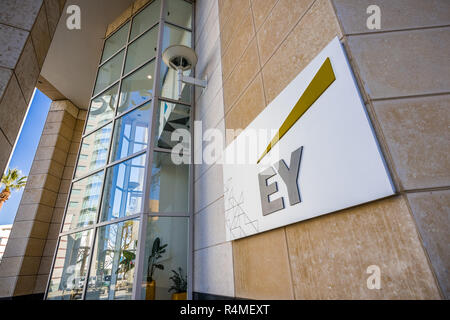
(26, 146)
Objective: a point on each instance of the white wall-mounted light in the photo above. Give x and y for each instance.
(182, 58)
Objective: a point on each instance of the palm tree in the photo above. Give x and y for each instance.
(11, 181)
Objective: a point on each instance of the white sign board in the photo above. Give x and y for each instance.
(341, 163)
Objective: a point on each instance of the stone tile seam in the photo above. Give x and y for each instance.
(423, 190)
(202, 114)
(424, 249)
(356, 34)
(267, 16)
(47, 173)
(15, 27)
(31, 36)
(36, 220)
(30, 189)
(21, 94)
(7, 84)
(212, 246)
(216, 50)
(238, 27)
(52, 159)
(203, 172)
(208, 15)
(67, 141)
(226, 20)
(239, 59)
(61, 11)
(6, 137)
(294, 25)
(257, 46)
(412, 96)
(46, 19)
(209, 205)
(289, 263)
(202, 118)
(273, 53)
(244, 90)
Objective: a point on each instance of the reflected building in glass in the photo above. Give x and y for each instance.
(127, 227)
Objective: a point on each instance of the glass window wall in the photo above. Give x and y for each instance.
(129, 206)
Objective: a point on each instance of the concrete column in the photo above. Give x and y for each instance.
(26, 31)
(26, 263)
(58, 211)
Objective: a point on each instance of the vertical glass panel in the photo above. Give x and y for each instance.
(170, 117)
(166, 258)
(113, 264)
(131, 132)
(83, 202)
(102, 109)
(173, 35)
(146, 18)
(69, 270)
(169, 189)
(168, 81)
(124, 186)
(141, 50)
(179, 12)
(94, 151)
(109, 72)
(169, 85)
(137, 87)
(115, 42)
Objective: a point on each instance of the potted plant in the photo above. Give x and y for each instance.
(157, 251)
(179, 285)
(125, 265)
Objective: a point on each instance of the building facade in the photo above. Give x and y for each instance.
(106, 214)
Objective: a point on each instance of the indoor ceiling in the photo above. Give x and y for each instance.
(74, 55)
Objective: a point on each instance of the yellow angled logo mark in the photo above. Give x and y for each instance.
(321, 81)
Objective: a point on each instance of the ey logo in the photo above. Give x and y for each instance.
(320, 82)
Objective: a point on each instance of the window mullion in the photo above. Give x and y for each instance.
(86, 281)
(148, 169)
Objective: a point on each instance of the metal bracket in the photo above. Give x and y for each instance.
(189, 80)
(194, 81)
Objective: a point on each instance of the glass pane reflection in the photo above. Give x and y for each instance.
(174, 35)
(145, 19)
(141, 50)
(109, 72)
(115, 42)
(94, 151)
(102, 109)
(83, 202)
(166, 252)
(170, 117)
(131, 133)
(168, 82)
(137, 87)
(113, 263)
(179, 12)
(169, 186)
(69, 270)
(124, 185)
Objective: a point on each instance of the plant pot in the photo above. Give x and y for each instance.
(179, 296)
(150, 290)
